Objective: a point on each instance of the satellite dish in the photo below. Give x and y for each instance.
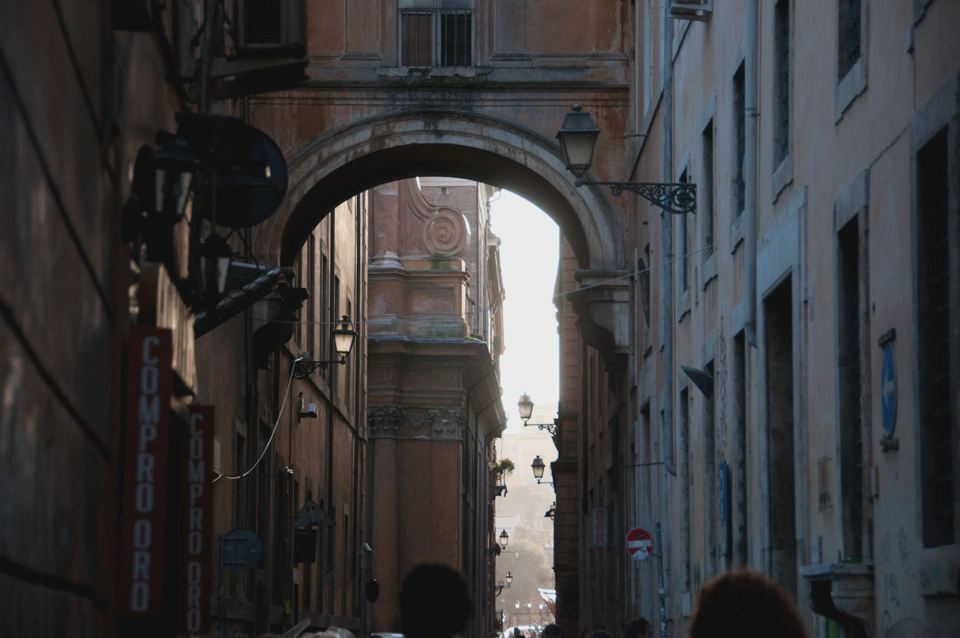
(240, 549)
(250, 171)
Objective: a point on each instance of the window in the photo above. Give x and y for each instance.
(239, 503)
(347, 372)
(781, 20)
(299, 277)
(848, 40)
(307, 567)
(325, 327)
(739, 121)
(335, 316)
(436, 33)
(934, 325)
(710, 492)
(643, 279)
(345, 565)
(705, 189)
(683, 246)
(685, 472)
(849, 379)
(740, 480)
(311, 326)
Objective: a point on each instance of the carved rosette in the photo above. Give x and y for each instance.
(445, 233)
(438, 424)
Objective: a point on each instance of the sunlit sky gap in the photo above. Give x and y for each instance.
(529, 252)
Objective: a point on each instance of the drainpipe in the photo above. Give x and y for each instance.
(750, 171)
(666, 324)
(666, 250)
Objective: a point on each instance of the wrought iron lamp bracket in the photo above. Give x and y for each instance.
(677, 199)
(549, 427)
(303, 369)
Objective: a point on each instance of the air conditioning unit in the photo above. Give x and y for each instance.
(271, 28)
(691, 10)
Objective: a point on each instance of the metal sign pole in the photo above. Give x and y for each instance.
(220, 595)
(660, 584)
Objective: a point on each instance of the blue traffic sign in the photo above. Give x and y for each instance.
(240, 549)
(888, 389)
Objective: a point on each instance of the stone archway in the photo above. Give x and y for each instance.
(348, 161)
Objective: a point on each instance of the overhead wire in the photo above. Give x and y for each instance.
(286, 395)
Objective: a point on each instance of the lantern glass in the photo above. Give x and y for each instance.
(174, 165)
(538, 467)
(215, 254)
(578, 138)
(343, 337)
(525, 404)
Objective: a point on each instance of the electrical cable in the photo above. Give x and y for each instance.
(286, 395)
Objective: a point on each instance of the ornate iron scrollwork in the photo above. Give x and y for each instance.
(678, 199)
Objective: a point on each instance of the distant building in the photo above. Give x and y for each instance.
(436, 335)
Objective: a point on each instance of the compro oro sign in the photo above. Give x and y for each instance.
(639, 543)
(146, 457)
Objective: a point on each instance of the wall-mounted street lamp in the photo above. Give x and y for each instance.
(578, 138)
(538, 466)
(343, 338)
(509, 579)
(504, 538)
(525, 405)
(174, 164)
(552, 512)
(215, 255)
(499, 588)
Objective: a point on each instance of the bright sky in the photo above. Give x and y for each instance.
(529, 253)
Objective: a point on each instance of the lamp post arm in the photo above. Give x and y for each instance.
(678, 199)
(549, 427)
(303, 369)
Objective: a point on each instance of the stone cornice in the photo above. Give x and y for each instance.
(393, 421)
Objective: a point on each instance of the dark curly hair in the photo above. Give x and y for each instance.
(636, 628)
(434, 602)
(746, 604)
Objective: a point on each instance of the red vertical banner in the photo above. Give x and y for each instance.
(145, 461)
(196, 524)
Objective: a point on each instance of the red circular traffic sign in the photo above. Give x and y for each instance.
(639, 543)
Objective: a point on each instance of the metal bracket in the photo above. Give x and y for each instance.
(678, 199)
(303, 369)
(549, 427)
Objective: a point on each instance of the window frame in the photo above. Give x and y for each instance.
(436, 9)
(854, 81)
(941, 110)
(782, 163)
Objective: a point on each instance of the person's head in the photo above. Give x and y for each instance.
(551, 631)
(434, 602)
(638, 628)
(745, 604)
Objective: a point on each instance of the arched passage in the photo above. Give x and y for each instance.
(343, 163)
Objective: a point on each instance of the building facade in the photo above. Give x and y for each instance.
(787, 403)
(771, 382)
(435, 410)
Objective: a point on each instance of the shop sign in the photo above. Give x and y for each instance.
(196, 523)
(145, 461)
